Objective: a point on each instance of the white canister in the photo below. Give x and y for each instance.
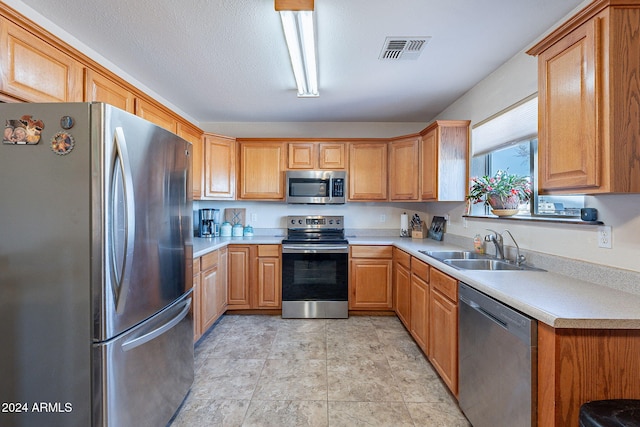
(225, 229)
(237, 231)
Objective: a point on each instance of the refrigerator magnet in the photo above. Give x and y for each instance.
(62, 143)
(23, 131)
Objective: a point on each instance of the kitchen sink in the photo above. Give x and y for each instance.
(481, 264)
(468, 260)
(442, 255)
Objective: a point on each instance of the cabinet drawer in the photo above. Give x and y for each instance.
(269, 250)
(209, 260)
(447, 285)
(402, 257)
(196, 266)
(420, 269)
(359, 251)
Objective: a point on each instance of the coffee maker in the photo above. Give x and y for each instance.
(209, 223)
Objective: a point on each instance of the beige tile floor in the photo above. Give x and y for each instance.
(263, 370)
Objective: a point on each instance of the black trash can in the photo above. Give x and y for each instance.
(610, 413)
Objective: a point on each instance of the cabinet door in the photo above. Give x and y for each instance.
(403, 169)
(194, 136)
(34, 70)
(261, 170)
(402, 293)
(443, 331)
(420, 312)
(208, 303)
(239, 277)
(195, 306)
(429, 165)
(269, 283)
(154, 114)
(332, 155)
(368, 171)
(102, 89)
(219, 167)
(370, 284)
(222, 282)
(569, 145)
(302, 155)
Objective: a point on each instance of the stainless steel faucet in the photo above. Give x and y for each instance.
(498, 241)
(520, 259)
(496, 238)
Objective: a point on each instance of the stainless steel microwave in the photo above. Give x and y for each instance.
(316, 187)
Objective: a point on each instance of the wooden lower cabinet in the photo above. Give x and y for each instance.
(579, 365)
(269, 280)
(443, 327)
(209, 290)
(238, 297)
(419, 295)
(370, 278)
(402, 286)
(255, 277)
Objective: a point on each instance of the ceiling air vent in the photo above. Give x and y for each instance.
(403, 48)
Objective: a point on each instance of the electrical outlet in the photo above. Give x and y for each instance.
(254, 218)
(383, 218)
(446, 218)
(604, 236)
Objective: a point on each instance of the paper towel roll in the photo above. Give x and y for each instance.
(404, 224)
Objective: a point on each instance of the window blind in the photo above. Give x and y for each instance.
(513, 124)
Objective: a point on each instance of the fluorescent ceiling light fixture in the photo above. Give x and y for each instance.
(299, 31)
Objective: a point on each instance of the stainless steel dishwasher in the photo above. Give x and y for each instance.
(497, 362)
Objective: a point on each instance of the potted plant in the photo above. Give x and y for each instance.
(503, 192)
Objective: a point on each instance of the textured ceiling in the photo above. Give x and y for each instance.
(226, 60)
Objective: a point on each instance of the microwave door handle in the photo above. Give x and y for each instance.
(330, 188)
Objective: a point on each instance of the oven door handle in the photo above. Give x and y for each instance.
(310, 249)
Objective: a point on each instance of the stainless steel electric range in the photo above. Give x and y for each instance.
(315, 260)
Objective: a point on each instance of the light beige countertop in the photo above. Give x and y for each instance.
(555, 299)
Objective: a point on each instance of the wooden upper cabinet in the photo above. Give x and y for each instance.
(194, 136)
(302, 155)
(367, 171)
(102, 89)
(332, 155)
(155, 114)
(403, 168)
(219, 167)
(444, 157)
(261, 174)
(316, 155)
(35, 71)
(588, 91)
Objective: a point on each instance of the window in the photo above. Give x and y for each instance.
(509, 141)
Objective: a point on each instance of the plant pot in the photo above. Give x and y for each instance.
(504, 206)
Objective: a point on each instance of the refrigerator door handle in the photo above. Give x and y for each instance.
(136, 342)
(123, 227)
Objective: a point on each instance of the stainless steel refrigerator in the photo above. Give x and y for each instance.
(95, 268)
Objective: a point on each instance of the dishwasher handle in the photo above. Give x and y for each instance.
(487, 314)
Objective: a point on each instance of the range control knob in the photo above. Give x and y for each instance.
(338, 221)
(331, 221)
(300, 221)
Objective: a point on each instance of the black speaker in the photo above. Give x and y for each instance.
(589, 214)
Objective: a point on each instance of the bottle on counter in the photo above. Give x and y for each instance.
(237, 230)
(478, 244)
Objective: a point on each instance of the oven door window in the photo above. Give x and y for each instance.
(301, 187)
(314, 277)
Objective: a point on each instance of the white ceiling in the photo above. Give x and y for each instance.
(226, 60)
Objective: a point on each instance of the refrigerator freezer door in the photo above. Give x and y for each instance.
(142, 376)
(146, 219)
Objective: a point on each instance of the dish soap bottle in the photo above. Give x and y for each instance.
(478, 244)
